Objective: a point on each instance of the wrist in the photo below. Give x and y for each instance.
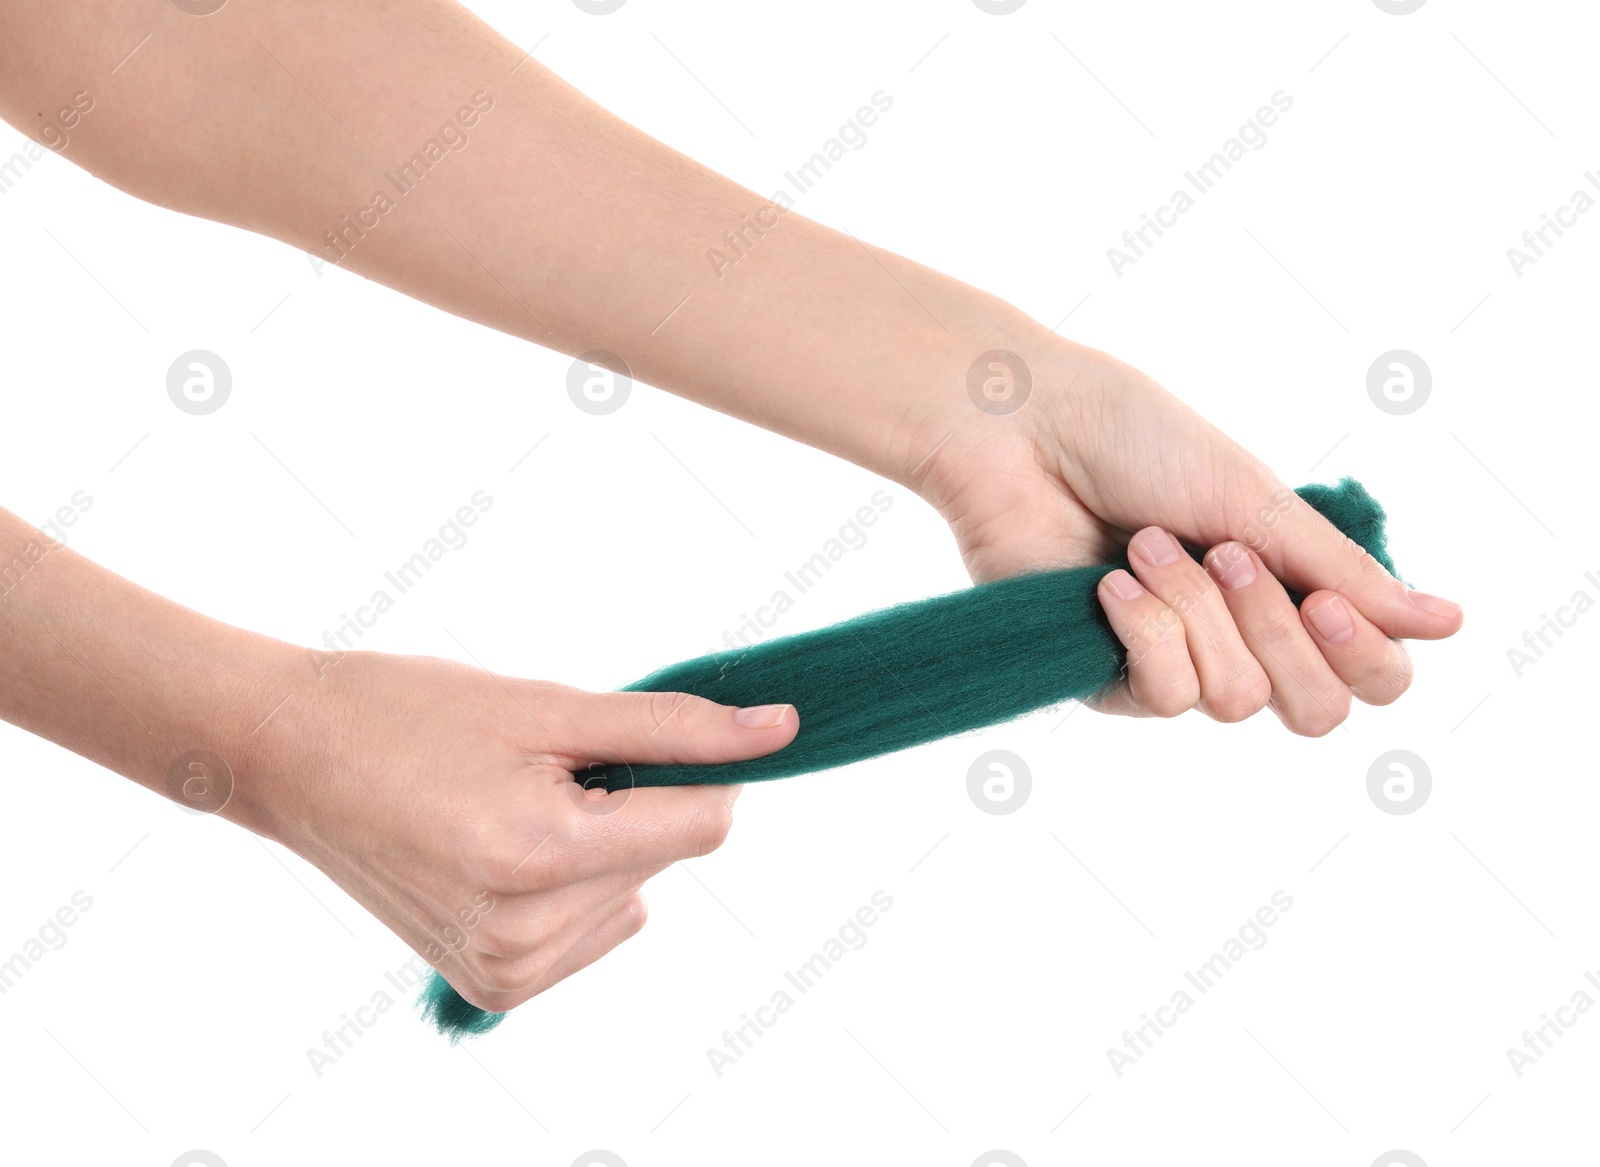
(270, 728)
(123, 677)
(1008, 385)
(213, 692)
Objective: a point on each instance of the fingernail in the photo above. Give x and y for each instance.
(1332, 620)
(1232, 566)
(761, 716)
(1122, 585)
(1156, 547)
(1436, 605)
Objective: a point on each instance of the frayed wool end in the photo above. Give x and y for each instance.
(451, 1014)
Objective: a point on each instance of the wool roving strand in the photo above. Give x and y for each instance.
(920, 671)
(911, 674)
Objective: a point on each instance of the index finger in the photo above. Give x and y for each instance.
(590, 833)
(1311, 554)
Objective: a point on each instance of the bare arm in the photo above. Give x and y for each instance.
(536, 212)
(545, 217)
(438, 796)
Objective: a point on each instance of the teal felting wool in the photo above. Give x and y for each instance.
(911, 674)
(452, 1013)
(929, 669)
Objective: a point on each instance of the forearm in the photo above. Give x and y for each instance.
(120, 675)
(546, 217)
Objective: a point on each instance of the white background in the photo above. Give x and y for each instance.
(978, 1014)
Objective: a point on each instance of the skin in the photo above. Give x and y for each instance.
(428, 789)
(437, 795)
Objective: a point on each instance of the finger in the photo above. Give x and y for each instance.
(519, 924)
(1307, 695)
(1159, 679)
(623, 922)
(522, 972)
(555, 833)
(1312, 554)
(660, 728)
(621, 925)
(1376, 668)
(1233, 686)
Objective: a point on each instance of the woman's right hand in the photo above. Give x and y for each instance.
(1097, 457)
(442, 798)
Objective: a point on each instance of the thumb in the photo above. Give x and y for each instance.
(663, 728)
(1313, 554)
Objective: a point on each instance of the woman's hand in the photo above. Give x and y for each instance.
(442, 798)
(1096, 457)
(816, 334)
(439, 796)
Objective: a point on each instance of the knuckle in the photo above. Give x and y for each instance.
(634, 913)
(503, 934)
(498, 975)
(1242, 697)
(710, 827)
(508, 864)
(1324, 714)
(1233, 710)
(522, 974)
(1170, 699)
(501, 868)
(1152, 631)
(488, 857)
(1313, 724)
(661, 708)
(1391, 680)
(1276, 634)
(506, 842)
(1403, 674)
(1362, 566)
